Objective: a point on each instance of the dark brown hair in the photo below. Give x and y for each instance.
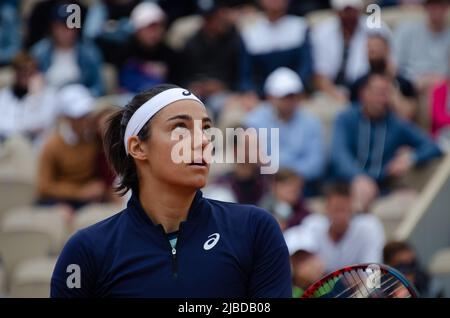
(285, 174)
(113, 144)
(393, 248)
(23, 60)
(338, 188)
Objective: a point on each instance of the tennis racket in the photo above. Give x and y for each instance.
(362, 281)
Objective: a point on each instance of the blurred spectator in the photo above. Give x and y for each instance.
(303, 7)
(105, 173)
(340, 49)
(422, 48)
(371, 145)
(10, 32)
(274, 40)
(41, 18)
(210, 57)
(285, 201)
(388, 3)
(307, 268)
(108, 24)
(244, 184)
(67, 170)
(27, 107)
(300, 133)
(401, 256)
(145, 59)
(404, 95)
(65, 59)
(339, 237)
(440, 112)
(176, 9)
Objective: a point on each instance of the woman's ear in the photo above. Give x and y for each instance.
(135, 148)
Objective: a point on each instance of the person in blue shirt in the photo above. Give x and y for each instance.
(372, 146)
(170, 241)
(64, 58)
(301, 139)
(10, 31)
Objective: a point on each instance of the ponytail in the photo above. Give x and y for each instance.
(113, 144)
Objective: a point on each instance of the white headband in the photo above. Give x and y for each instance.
(143, 114)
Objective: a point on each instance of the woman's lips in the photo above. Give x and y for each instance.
(201, 164)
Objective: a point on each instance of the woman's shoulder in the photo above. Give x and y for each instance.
(235, 207)
(95, 237)
(241, 214)
(107, 225)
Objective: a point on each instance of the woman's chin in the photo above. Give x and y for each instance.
(198, 182)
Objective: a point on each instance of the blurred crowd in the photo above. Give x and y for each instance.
(358, 105)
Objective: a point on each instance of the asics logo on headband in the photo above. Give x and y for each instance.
(151, 107)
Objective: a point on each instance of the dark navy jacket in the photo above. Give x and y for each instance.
(223, 250)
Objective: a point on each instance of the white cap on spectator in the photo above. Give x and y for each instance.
(296, 241)
(75, 101)
(342, 4)
(145, 14)
(282, 82)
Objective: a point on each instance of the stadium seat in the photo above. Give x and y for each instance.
(17, 246)
(48, 220)
(31, 278)
(2, 281)
(6, 76)
(440, 262)
(318, 16)
(325, 109)
(392, 209)
(15, 193)
(93, 213)
(109, 74)
(182, 29)
(18, 159)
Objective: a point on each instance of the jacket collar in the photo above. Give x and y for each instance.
(134, 206)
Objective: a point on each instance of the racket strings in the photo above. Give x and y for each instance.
(352, 285)
(374, 289)
(357, 287)
(398, 289)
(359, 282)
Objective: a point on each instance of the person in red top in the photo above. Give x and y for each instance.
(440, 107)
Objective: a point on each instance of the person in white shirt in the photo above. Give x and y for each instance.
(272, 40)
(339, 237)
(422, 47)
(339, 46)
(26, 106)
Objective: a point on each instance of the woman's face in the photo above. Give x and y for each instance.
(158, 153)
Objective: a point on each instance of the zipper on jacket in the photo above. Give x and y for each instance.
(174, 254)
(174, 262)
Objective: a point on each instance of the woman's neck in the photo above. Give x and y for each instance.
(165, 204)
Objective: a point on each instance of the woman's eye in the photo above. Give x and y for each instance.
(180, 125)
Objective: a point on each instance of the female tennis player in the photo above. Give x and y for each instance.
(170, 241)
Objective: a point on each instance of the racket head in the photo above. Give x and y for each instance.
(362, 281)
